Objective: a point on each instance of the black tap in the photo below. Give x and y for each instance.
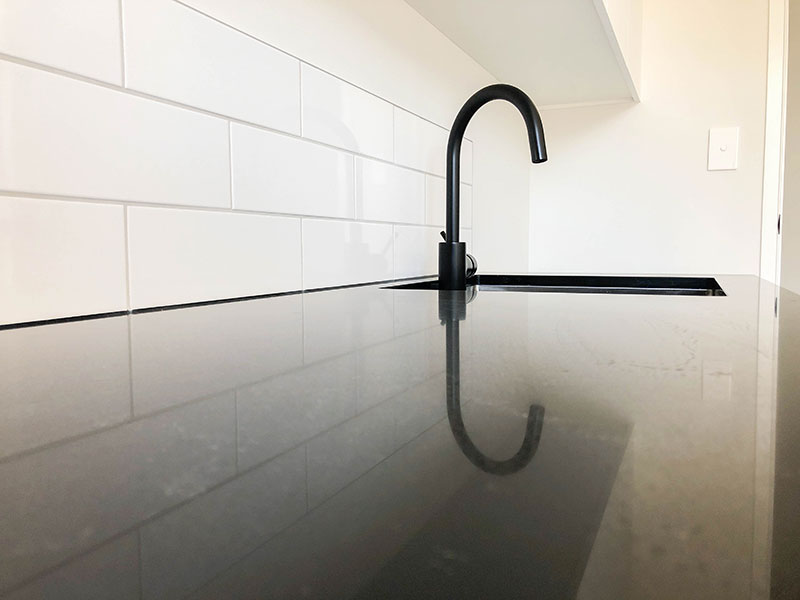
(452, 252)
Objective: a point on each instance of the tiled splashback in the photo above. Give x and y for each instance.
(156, 156)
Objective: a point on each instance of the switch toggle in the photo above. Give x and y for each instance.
(723, 149)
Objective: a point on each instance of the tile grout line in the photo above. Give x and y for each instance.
(236, 432)
(130, 369)
(220, 484)
(302, 256)
(230, 165)
(305, 446)
(300, 92)
(122, 42)
(189, 207)
(140, 554)
(304, 62)
(361, 476)
(356, 187)
(127, 91)
(394, 256)
(184, 404)
(126, 236)
(394, 134)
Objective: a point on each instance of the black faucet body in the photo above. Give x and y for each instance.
(452, 252)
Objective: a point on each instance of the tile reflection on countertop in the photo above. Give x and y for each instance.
(302, 446)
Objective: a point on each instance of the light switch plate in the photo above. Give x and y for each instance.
(723, 149)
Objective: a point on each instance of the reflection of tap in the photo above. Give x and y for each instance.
(452, 309)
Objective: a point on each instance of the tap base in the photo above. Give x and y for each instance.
(452, 265)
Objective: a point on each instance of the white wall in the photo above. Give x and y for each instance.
(170, 153)
(774, 137)
(625, 18)
(790, 235)
(626, 188)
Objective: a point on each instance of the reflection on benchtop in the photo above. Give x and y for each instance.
(366, 443)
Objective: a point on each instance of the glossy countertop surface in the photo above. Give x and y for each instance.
(371, 443)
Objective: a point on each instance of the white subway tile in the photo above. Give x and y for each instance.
(174, 52)
(386, 192)
(80, 36)
(277, 173)
(340, 253)
(68, 137)
(60, 259)
(416, 251)
(340, 114)
(435, 202)
(179, 256)
(466, 206)
(421, 145)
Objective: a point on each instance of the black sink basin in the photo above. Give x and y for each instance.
(584, 284)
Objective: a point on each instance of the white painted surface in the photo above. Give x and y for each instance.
(790, 221)
(774, 138)
(71, 138)
(723, 149)
(557, 51)
(60, 258)
(341, 252)
(279, 174)
(389, 193)
(626, 189)
(340, 114)
(180, 256)
(173, 52)
(80, 36)
(625, 18)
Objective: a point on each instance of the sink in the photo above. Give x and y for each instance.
(584, 284)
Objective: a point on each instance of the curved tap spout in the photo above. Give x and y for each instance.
(452, 252)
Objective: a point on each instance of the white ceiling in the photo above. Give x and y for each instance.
(558, 51)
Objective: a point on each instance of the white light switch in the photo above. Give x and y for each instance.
(723, 149)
